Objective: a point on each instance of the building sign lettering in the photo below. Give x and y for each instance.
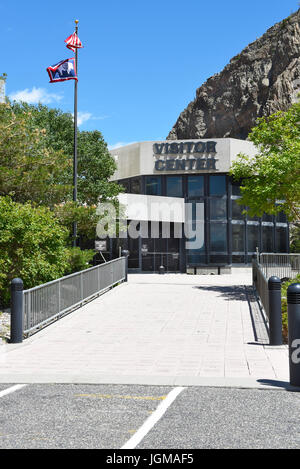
(196, 163)
(184, 147)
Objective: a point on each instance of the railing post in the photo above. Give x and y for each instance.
(125, 253)
(59, 296)
(16, 324)
(81, 286)
(275, 316)
(293, 303)
(98, 278)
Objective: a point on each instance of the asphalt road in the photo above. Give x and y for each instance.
(107, 416)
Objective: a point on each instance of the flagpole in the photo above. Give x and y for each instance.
(75, 141)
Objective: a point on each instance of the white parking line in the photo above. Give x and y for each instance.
(153, 419)
(12, 389)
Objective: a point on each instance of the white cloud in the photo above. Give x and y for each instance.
(86, 116)
(35, 96)
(119, 144)
(83, 117)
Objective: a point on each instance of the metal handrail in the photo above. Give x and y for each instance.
(49, 301)
(260, 282)
(283, 265)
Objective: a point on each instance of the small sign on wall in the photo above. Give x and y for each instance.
(101, 245)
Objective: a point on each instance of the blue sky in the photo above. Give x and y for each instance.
(142, 60)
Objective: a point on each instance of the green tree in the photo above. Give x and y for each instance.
(95, 164)
(271, 179)
(30, 169)
(95, 167)
(32, 245)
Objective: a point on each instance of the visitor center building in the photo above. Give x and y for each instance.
(182, 211)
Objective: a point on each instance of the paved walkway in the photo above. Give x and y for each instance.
(171, 329)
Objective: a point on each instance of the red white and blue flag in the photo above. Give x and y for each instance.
(73, 42)
(62, 71)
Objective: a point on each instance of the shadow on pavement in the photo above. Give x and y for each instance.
(279, 384)
(230, 293)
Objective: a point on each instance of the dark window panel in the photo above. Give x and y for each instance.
(135, 186)
(218, 209)
(281, 239)
(218, 259)
(236, 189)
(281, 217)
(217, 185)
(255, 218)
(238, 238)
(267, 239)
(153, 185)
(267, 217)
(238, 259)
(126, 186)
(174, 186)
(218, 237)
(195, 257)
(133, 259)
(195, 235)
(195, 186)
(237, 210)
(253, 237)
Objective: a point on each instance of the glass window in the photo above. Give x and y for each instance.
(238, 238)
(281, 217)
(195, 235)
(135, 186)
(194, 211)
(218, 237)
(218, 209)
(267, 238)
(255, 218)
(281, 239)
(238, 259)
(217, 185)
(194, 257)
(174, 186)
(236, 189)
(237, 210)
(173, 243)
(253, 237)
(267, 217)
(195, 186)
(126, 186)
(153, 185)
(218, 259)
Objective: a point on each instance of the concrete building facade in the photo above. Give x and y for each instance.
(182, 207)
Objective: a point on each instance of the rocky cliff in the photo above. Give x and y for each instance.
(262, 79)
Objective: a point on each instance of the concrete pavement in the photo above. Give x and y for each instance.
(171, 329)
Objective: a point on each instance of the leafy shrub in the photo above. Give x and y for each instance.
(284, 288)
(32, 246)
(78, 259)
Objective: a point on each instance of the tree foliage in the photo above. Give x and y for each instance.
(36, 206)
(32, 245)
(30, 169)
(95, 164)
(271, 179)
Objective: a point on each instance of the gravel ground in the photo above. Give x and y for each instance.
(4, 326)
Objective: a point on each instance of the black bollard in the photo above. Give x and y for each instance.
(293, 303)
(16, 318)
(161, 269)
(125, 253)
(275, 316)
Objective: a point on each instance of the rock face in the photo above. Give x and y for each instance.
(262, 79)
